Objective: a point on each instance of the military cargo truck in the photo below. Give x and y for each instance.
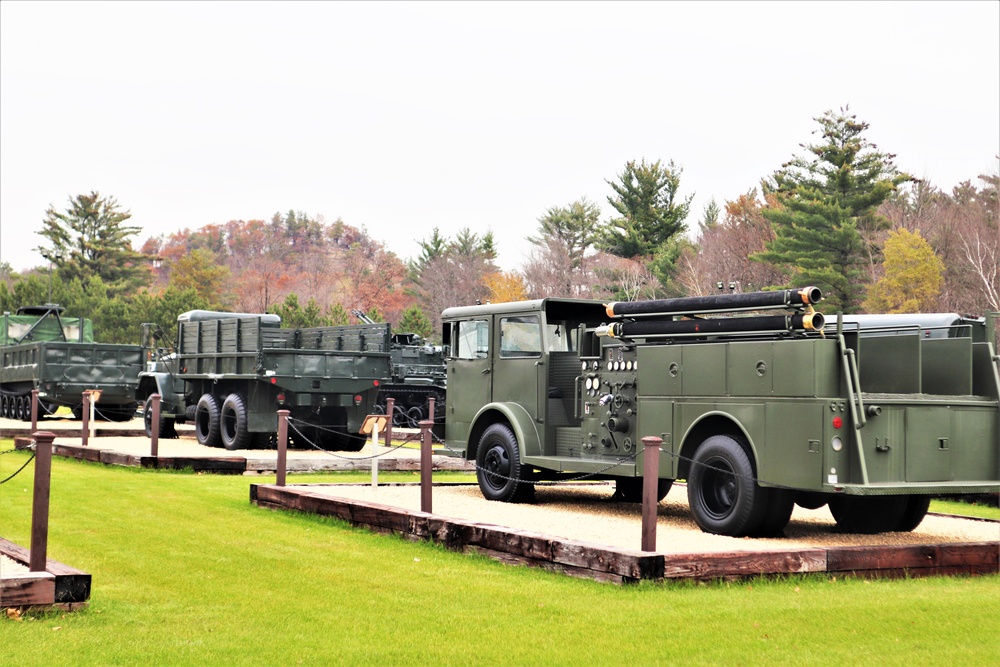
(160, 374)
(756, 412)
(57, 355)
(418, 375)
(239, 371)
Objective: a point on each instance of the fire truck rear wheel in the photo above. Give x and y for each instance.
(868, 515)
(780, 503)
(722, 492)
(206, 421)
(498, 466)
(916, 510)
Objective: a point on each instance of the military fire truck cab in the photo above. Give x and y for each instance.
(756, 412)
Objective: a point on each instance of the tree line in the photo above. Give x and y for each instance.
(842, 216)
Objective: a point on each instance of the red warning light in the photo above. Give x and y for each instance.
(837, 422)
(274, 380)
(375, 382)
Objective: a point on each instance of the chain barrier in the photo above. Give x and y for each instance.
(632, 457)
(617, 462)
(18, 471)
(292, 422)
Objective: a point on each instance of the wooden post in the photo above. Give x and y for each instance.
(650, 482)
(425, 465)
(390, 405)
(40, 501)
(431, 407)
(154, 426)
(85, 426)
(282, 446)
(375, 455)
(34, 410)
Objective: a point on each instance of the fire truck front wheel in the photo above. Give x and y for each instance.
(498, 466)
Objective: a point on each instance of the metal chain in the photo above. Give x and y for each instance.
(32, 458)
(581, 477)
(291, 422)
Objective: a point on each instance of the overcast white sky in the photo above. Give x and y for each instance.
(399, 117)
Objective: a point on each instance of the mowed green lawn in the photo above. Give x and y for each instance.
(186, 571)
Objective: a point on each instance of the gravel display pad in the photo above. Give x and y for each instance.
(584, 512)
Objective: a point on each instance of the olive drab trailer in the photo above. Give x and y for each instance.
(57, 355)
(756, 410)
(418, 375)
(239, 371)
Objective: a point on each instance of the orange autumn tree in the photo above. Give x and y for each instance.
(505, 286)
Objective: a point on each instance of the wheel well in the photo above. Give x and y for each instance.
(703, 430)
(485, 420)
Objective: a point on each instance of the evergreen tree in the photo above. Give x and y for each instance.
(826, 213)
(91, 239)
(414, 320)
(650, 212)
(574, 226)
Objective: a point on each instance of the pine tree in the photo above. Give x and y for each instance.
(826, 212)
(91, 239)
(651, 214)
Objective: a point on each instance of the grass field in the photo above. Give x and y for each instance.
(186, 571)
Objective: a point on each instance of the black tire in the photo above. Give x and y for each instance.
(916, 510)
(234, 428)
(722, 492)
(206, 421)
(498, 466)
(413, 416)
(166, 425)
(780, 503)
(629, 489)
(810, 500)
(3, 406)
(24, 408)
(868, 515)
(116, 413)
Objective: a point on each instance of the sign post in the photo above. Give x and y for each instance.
(373, 424)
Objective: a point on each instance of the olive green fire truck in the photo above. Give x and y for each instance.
(757, 409)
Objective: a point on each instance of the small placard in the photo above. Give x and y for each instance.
(373, 422)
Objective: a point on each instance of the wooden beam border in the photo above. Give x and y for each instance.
(604, 563)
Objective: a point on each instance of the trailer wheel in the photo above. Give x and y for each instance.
(3, 406)
(165, 427)
(629, 489)
(413, 416)
(233, 427)
(722, 492)
(498, 466)
(868, 515)
(206, 421)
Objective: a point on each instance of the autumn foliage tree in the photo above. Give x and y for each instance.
(912, 279)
